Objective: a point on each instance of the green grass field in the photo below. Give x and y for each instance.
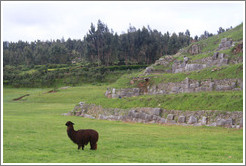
(34, 131)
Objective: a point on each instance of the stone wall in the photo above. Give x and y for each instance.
(194, 49)
(186, 86)
(218, 59)
(225, 44)
(160, 115)
(118, 93)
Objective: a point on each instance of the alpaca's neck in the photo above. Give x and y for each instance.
(71, 133)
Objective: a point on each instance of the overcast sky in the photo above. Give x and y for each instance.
(29, 21)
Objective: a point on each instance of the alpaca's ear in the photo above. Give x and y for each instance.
(72, 123)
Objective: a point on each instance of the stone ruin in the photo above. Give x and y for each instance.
(217, 60)
(190, 86)
(160, 116)
(225, 44)
(186, 86)
(118, 93)
(194, 49)
(195, 118)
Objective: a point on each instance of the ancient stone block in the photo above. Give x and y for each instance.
(148, 117)
(181, 119)
(241, 123)
(192, 120)
(204, 120)
(135, 115)
(131, 113)
(148, 70)
(228, 43)
(215, 56)
(212, 86)
(225, 44)
(142, 115)
(154, 117)
(195, 49)
(170, 116)
(155, 111)
(221, 122)
(158, 119)
(192, 67)
(175, 89)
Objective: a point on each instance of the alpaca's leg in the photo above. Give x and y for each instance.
(93, 146)
(79, 147)
(82, 147)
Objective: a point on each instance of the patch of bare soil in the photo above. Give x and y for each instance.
(21, 97)
(52, 91)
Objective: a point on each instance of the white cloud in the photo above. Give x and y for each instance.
(44, 20)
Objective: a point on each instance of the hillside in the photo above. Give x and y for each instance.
(214, 64)
(202, 84)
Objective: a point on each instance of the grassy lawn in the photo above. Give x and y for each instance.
(34, 131)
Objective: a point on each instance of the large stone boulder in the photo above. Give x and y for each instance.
(241, 123)
(181, 119)
(194, 49)
(170, 118)
(192, 67)
(192, 120)
(204, 120)
(148, 70)
(155, 111)
(225, 44)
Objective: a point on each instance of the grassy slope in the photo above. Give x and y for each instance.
(229, 101)
(34, 132)
(224, 101)
(223, 72)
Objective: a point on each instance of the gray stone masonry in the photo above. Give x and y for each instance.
(160, 115)
(186, 86)
(192, 120)
(225, 44)
(182, 119)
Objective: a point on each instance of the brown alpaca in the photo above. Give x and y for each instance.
(82, 137)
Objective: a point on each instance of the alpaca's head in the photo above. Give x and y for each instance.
(69, 123)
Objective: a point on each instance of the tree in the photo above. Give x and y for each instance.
(174, 44)
(196, 38)
(187, 33)
(221, 30)
(166, 41)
